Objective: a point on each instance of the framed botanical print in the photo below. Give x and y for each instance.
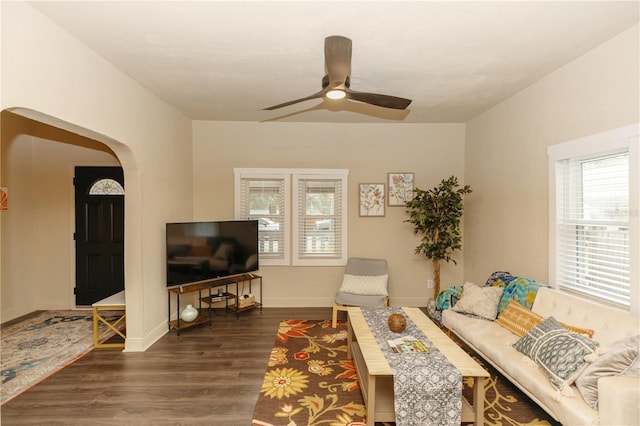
(400, 188)
(372, 199)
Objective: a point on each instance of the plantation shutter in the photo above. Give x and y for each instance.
(263, 199)
(320, 230)
(592, 220)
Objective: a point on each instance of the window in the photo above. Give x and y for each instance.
(263, 196)
(593, 233)
(301, 213)
(106, 187)
(318, 228)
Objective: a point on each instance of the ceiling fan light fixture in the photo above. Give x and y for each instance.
(336, 94)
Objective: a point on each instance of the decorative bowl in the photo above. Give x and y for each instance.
(397, 323)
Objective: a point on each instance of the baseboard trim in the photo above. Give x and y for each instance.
(141, 345)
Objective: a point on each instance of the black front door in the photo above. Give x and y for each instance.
(99, 233)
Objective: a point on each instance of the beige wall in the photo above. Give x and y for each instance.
(432, 151)
(506, 220)
(17, 232)
(51, 77)
(38, 166)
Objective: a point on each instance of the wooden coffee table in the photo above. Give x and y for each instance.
(376, 376)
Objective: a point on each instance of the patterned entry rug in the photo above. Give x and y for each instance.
(36, 348)
(309, 381)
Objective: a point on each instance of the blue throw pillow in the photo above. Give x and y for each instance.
(522, 290)
(448, 297)
(445, 300)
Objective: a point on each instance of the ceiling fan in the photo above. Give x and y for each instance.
(335, 84)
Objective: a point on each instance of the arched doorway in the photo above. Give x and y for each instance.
(121, 154)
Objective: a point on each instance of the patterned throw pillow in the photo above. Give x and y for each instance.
(480, 301)
(522, 290)
(519, 319)
(445, 300)
(579, 330)
(561, 354)
(448, 297)
(368, 285)
(499, 278)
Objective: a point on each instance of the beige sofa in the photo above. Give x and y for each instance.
(618, 396)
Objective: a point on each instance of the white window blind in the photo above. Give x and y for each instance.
(592, 219)
(319, 218)
(263, 199)
(301, 213)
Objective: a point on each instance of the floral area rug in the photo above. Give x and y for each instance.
(35, 348)
(309, 381)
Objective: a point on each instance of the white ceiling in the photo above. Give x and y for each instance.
(226, 60)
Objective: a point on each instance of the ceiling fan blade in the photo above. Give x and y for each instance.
(317, 95)
(337, 54)
(337, 58)
(385, 101)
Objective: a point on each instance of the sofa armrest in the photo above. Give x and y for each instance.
(619, 400)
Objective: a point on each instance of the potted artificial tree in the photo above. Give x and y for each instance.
(435, 214)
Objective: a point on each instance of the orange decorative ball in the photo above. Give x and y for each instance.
(397, 323)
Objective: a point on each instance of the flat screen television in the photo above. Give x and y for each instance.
(204, 251)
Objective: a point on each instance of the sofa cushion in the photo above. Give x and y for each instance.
(519, 319)
(480, 301)
(620, 359)
(561, 354)
(618, 400)
(365, 284)
(350, 299)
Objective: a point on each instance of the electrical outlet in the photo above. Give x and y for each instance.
(429, 283)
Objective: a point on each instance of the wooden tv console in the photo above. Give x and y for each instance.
(205, 295)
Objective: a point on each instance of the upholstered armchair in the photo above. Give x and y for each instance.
(365, 283)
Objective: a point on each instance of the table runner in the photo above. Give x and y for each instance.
(427, 387)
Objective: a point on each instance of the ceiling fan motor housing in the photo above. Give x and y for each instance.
(325, 82)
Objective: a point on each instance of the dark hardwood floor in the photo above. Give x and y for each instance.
(205, 376)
